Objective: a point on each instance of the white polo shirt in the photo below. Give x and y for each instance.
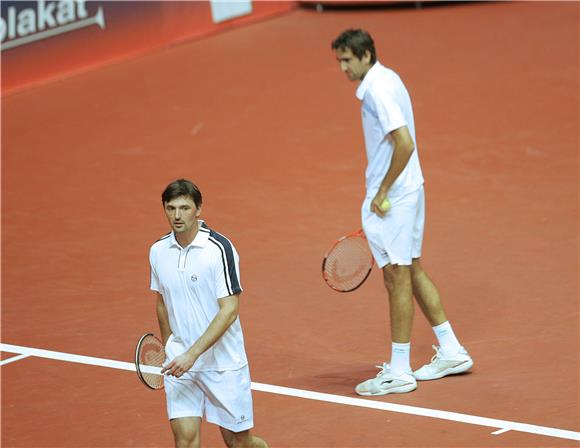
(191, 280)
(386, 106)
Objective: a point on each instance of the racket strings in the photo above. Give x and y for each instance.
(348, 264)
(151, 353)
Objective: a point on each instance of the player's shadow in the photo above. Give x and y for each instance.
(337, 379)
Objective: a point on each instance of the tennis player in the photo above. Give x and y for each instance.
(395, 234)
(196, 280)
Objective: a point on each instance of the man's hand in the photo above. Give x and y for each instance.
(377, 202)
(179, 365)
(403, 147)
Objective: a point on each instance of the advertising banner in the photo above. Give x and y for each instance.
(43, 40)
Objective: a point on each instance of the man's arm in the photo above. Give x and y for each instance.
(403, 147)
(225, 317)
(163, 318)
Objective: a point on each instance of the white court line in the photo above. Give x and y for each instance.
(14, 358)
(503, 425)
(500, 431)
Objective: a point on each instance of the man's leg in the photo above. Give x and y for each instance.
(398, 283)
(243, 439)
(395, 377)
(186, 432)
(427, 294)
(450, 358)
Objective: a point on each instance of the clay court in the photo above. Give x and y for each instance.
(262, 119)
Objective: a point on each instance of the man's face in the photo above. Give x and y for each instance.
(182, 214)
(355, 68)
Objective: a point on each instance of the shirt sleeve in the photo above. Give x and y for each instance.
(154, 283)
(227, 271)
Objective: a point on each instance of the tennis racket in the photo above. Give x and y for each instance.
(149, 357)
(348, 263)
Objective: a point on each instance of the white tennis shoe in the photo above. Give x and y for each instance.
(442, 365)
(386, 382)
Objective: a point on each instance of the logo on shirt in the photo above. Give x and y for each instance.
(242, 419)
(193, 277)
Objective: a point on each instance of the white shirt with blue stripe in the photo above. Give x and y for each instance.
(192, 280)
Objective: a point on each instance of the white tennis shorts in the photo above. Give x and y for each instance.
(223, 398)
(398, 236)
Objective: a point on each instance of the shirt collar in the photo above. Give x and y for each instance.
(367, 80)
(200, 238)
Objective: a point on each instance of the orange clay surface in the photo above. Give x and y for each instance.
(262, 119)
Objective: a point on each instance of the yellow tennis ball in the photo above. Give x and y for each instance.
(385, 205)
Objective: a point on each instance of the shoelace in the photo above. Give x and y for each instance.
(383, 368)
(436, 356)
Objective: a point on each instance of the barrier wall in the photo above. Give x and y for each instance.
(45, 40)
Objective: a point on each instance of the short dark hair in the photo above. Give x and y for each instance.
(181, 187)
(358, 40)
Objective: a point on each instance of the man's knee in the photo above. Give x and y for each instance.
(396, 276)
(186, 442)
(416, 267)
(186, 432)
(228, 437)
(236, 439)
(245, 439)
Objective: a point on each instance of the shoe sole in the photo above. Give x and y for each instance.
(450, 371)
(393, 390)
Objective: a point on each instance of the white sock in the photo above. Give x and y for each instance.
(400, 354)
(447, 339)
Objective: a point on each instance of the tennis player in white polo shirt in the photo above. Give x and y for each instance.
(395, 234)
(195, 275)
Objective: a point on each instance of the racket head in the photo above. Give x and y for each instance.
(149, 357)
(348, 263)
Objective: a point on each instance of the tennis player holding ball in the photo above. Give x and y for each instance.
(393, 216)
(196, 280)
